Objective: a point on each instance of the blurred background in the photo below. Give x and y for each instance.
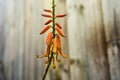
(92, 41)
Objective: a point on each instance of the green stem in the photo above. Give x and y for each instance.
(46, 71)
(53, 28)
(53, 17)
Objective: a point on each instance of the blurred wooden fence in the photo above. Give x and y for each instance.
(92, 43)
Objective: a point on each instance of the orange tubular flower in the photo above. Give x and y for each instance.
(55, 45)
(58, 41)
(49, 38)
(59, 46)
(62, 54)
(45, 29)
(58, 25)
(60, 32)
(53, 38)
(47, 10)
(46, 54)
(60, 15)
(49, 21)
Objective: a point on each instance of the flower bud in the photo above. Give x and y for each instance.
(46, 15)
(45, 29)
(49, 21)
(58, 25)
(60, 32)
(60, 15)
(47, 10)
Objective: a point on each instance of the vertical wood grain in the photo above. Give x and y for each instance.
(2, 42)
(63, 69)
(77, 39)
(92, 39)
(111, 19)
(97, 53)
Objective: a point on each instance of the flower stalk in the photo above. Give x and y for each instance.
(53, 39)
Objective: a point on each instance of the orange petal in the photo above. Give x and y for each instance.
(59, 41)
(49, 38)
(49, 21)
(48, 49)
(54, 65)
(60, 32)
(47, 10)
(62, 54)
(58, 60)
(55, 45)
(60, 15)
(45, 29)
(58, 25)
(46, 15)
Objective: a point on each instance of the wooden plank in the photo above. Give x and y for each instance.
(39, 41)
(77, 39)
(34, 43)
(97, 54)
(112, 29)
(1, 29)
(2, 20)
(28, 56)
(95, 45)
(63, 69)
(11, 40)
(19, 23)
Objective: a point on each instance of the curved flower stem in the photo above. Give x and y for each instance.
(46, 71)
(53, 28)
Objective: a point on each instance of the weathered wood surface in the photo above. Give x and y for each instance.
(100, 25)
(92, 41)
(77, 40)
(22, 28)
(87, 46)
(111, 10)
(97, 53)
(2, 40)
(2, 18)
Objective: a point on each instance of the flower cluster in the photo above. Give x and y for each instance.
(53, 38)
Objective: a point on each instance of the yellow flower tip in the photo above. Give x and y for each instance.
(46, 62)
(38, 56)
(58, 60)
(55, 50)
(63, 55)
(54, 66)
(55, 45)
